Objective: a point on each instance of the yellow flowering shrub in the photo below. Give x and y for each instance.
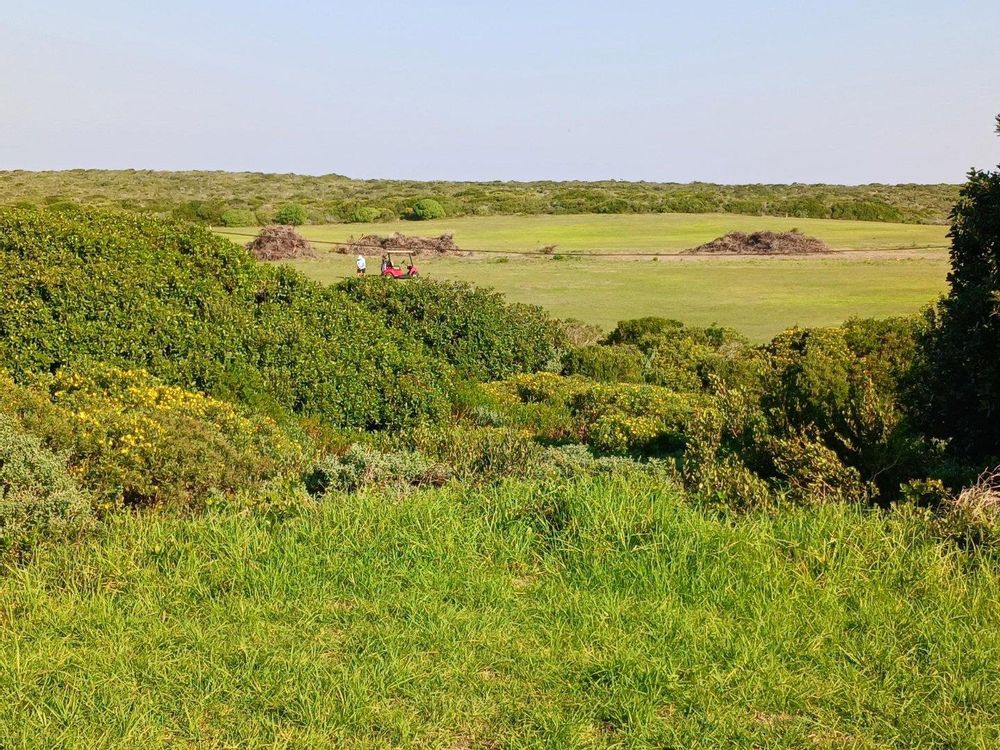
(134, 440)
(615, 432)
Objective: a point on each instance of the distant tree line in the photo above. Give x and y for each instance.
(246, 199)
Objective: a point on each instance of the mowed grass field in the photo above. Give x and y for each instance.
(600, 614)
(883, 269)
(643, 232)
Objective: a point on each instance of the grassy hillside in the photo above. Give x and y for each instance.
(208, 196)
(605, 613)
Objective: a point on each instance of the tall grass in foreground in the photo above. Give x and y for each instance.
(598, 614)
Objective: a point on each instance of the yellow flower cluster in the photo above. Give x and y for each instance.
(137, 437)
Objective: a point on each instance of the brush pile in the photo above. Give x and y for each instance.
(371, 244)
(762, 243)
(279, 242)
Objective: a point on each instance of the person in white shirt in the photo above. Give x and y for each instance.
(362, 266)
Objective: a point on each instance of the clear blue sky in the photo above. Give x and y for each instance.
(842, 91)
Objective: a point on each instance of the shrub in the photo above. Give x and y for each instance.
(479, 453)
(973, 517)
(38, 497)
(687, 357)
(815, 474)
(608, 364)
(476, 330)
(425, 209)
(363, 466)
(717, 475)
(133, 440)
(201, 212)
(238, 217)
(619, 433)
(292, 213)
(197, 311)
(847, 384)
(365, 215)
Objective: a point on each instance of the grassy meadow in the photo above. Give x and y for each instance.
(624, 232)
(896, 269)
(603, 613)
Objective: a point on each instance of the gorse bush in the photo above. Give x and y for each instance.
(130, 439)
(38, 497)
(198, 312)
(685, 357)
(476, 330)
(847, 386)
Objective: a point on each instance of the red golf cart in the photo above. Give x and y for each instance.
(390, 268)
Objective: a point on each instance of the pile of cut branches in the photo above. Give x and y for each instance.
(279, 242)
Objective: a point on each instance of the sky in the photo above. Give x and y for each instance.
(719, 91)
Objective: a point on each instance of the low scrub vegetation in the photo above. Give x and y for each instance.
(210, 197)
(414, 514)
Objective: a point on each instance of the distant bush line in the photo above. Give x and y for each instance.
(245, 198)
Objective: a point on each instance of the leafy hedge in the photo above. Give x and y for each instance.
(476, 330)
(197, 311)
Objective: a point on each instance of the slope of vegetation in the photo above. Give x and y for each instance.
(240, 509)
(231, 198)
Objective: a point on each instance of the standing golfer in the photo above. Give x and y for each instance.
(362, 266)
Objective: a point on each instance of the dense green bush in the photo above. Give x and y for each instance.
(425, 209)
(38, 497)
(201, 212)
(197, 311)
(608, 364)
(293, 214)
(687, 357)
(476, 330)
(847, 384)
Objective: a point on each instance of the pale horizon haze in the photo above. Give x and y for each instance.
(767, 92)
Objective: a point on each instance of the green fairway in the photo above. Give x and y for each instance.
(472, 619)
(759, 296)
(631, 231)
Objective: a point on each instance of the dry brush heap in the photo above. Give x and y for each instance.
(279, 242)
(762, 243)
(374, 243)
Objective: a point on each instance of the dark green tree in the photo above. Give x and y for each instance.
(963, 345)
